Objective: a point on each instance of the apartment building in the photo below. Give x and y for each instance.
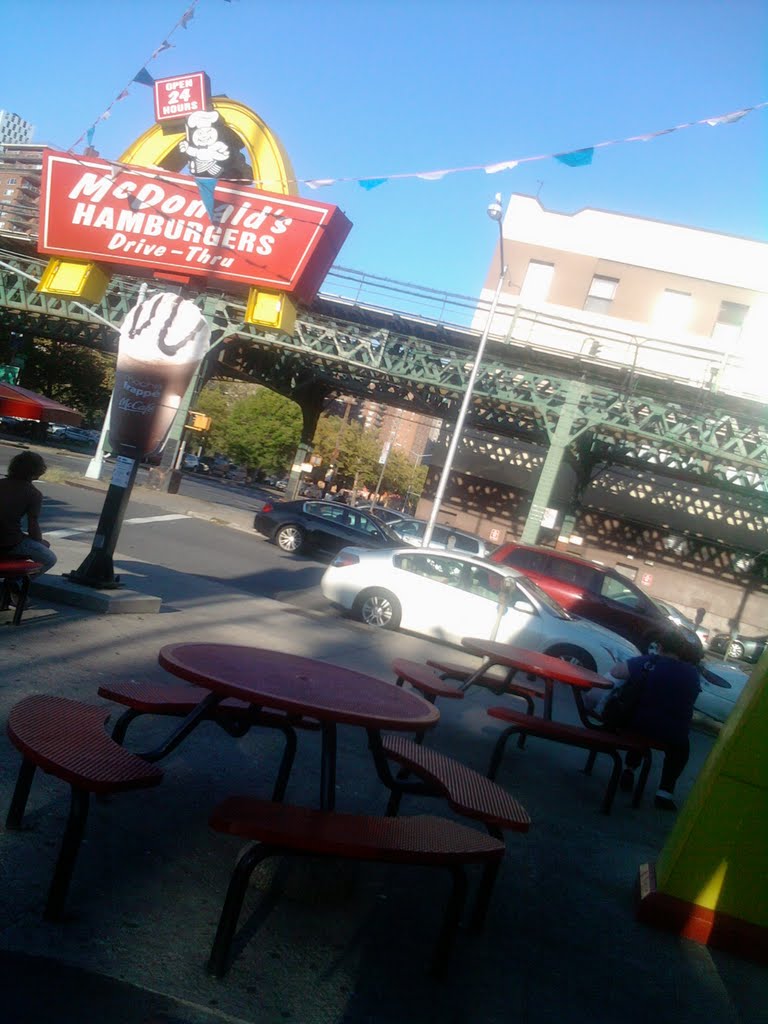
(678, 302)
(14, 128)
(20, 171)
(669, 299)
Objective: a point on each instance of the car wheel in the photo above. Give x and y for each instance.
(575, 655)
(736, 650)
(378, 608)
(290, 538)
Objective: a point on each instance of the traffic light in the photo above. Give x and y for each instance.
(198, 421)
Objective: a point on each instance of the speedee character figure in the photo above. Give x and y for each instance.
(204, 147)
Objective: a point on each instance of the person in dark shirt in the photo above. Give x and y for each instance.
(664, 709)
(20, 500)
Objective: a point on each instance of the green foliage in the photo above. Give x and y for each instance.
(355, 453)
(263, 431)
(215, 401)
(351, 449)
(398, 473)
(75, 376)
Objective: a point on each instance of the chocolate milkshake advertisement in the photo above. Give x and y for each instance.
(161, 345)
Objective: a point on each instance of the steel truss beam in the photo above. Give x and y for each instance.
(342, 347)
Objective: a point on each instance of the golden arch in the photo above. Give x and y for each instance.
(272, 172)
(272, 168)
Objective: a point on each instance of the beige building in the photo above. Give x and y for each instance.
(678, 301)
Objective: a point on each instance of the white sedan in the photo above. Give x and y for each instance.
(717, 702)
(448, 596)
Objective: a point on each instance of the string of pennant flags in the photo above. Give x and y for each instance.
(574, 158)
(142, 76)
(581, 157)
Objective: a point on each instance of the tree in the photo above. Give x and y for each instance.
(350, 449)
(263, 430)
(75, 376)
(215, 401)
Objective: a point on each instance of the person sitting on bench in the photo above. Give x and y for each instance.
(664, 708)
(19, 498)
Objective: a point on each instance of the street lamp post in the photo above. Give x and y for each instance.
(495, 212)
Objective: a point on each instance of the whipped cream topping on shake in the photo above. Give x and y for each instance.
(162, 342)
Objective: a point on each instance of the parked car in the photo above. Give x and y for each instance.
(325, 526)
(448, 596)
(679, 619)
(382, 512)
(716, 701)
(740, 647)
(412, 532)
(194, 464)
(591, 591)
(79, 435)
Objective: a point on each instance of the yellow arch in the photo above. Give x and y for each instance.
(272, 171)
(272, 168)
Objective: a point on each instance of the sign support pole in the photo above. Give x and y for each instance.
(97, 569)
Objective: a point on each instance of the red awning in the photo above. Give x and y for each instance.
(27, 405)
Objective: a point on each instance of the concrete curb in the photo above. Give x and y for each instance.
(107, 602)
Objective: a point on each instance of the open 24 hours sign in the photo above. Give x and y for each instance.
(156, 221)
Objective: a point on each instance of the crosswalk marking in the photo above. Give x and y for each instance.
(156, 519)
(73, 531)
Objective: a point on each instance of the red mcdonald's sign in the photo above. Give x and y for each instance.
(157, 221)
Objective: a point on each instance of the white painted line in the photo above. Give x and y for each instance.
(71, 532)
(154, 519)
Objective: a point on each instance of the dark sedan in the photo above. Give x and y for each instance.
(740, 648)
(325, 526)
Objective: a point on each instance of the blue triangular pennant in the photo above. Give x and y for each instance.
(206, 187)
(143, 77)
(369, 183)
(579, 157)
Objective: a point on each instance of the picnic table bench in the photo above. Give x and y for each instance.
(493, 681)
(21, 571)
(283, 829)
(467, 791)
(178, 700)
(595, 740)
(66, 738)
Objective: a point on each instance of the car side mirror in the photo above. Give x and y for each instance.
(524, 606)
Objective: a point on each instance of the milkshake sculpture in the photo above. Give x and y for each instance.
(162, 342)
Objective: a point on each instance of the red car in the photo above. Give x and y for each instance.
(591, 591)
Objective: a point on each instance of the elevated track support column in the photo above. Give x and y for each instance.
(569, 426)
(311, 400)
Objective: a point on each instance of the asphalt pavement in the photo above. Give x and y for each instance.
(326, 943)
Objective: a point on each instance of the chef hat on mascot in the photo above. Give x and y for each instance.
(203, 118)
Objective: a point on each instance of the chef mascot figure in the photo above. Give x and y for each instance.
(206, 151)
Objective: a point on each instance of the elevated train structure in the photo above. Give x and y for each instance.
(654, 461)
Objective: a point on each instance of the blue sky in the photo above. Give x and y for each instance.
(371, 88)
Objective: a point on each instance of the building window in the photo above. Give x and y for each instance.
(730, 321)
(673, 310)
(10, 191)
(11, 181)
(601, 294)
(537, 281)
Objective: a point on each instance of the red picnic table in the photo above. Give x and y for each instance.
(298, 686)
(550, 670)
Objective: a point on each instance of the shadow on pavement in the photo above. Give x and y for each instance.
(33, 985)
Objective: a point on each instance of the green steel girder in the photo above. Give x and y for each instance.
(343, 347)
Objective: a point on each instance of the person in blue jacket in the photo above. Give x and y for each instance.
(664, 708)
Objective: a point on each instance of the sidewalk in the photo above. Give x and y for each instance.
(343, 944)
